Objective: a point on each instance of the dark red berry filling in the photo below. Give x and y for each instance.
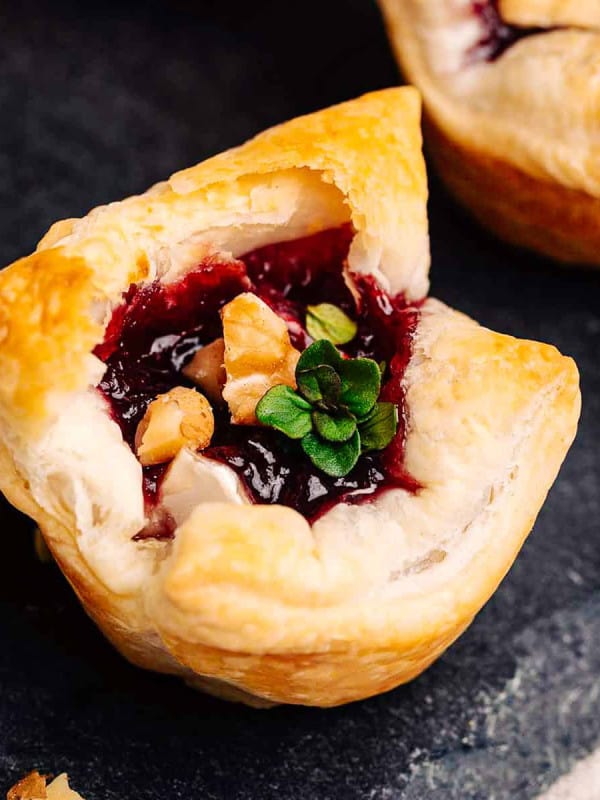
(159, 326)
(497, 35)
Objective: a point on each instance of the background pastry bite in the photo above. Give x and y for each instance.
(512, 103)
(387, 564)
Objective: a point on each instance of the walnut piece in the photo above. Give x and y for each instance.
(207, 370)
(180, 418)
(258, 355)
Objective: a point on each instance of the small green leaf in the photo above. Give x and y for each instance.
(321, 385)
(317, 354)
(281, 408)
(382, 368)
(334, 427)
(379, 427)
(361, 384)
(332, 458)
(327, 321)
(332, 392)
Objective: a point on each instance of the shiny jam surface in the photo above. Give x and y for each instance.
(497, 34)
(158, 327)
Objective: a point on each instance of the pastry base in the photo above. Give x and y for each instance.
(225, 691)
(559, 222)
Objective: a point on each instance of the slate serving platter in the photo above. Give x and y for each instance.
(101, 100)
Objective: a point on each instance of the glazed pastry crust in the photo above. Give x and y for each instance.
(533, 111)
(250, 601)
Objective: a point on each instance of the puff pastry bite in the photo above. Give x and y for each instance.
(513, 108)
(388, 455)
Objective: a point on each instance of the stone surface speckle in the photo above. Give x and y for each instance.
(102, 101)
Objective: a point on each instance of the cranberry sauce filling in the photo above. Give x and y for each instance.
(154, 333)
(497, 35)
(159, 326)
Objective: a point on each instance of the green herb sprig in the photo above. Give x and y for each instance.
(335, 411)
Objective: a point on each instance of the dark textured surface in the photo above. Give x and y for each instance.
(99, 106)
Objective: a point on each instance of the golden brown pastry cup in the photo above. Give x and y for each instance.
(251, 602)
(529, 212)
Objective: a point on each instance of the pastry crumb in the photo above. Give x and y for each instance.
(35, 787)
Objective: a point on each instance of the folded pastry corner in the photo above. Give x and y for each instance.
(264, 460)
(513, 112)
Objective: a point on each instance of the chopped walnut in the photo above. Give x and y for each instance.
(258, 355)
(207, 370)
(180, 418)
